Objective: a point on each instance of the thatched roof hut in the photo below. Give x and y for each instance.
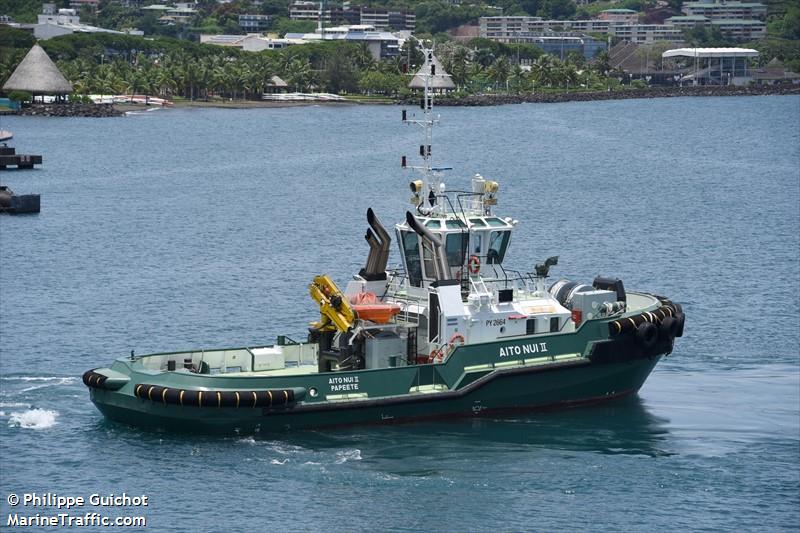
(439, 81)
(275, 81)
(38, 75)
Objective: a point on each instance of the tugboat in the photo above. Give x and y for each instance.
(452, 332)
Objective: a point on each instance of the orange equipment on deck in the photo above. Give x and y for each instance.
(367, 307)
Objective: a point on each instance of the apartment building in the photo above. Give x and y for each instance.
(254, 23)
(523, 29)
(378, 17)
(725, 10)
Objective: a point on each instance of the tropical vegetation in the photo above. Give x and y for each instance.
(171, 68)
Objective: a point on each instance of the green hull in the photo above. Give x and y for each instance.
(505, 393)
(489, 378)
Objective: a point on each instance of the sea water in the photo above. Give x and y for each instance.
(189, 228)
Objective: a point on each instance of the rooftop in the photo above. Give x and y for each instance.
(711, 52)
(37, 74)
(688, 18)
(723, 4)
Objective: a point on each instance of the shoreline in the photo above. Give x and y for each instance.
(596, 96)
(476, 100)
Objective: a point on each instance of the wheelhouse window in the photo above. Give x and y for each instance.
(456, 248)
(477, 223)
(455, 224)
(410, 243)
(476, 243)
(498, 242)
(427, 258)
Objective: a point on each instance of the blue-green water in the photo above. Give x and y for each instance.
(199, 228)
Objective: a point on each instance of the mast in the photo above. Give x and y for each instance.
(430, 185)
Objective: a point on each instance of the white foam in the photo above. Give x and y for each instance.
(348, 455)
(14, 404)
(247, 440)
(48, 383)
(33, 419)
(277, 462)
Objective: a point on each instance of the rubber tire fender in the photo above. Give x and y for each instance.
(646, 334)
(680, 318)
(668, 328)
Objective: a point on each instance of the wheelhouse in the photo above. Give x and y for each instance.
(469, 243)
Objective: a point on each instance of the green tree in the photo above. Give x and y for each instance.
(340, 75)
(499, 71)
(381, 83)
(557, 9)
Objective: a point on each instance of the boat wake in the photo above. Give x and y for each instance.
(35, 382)
(60, 379)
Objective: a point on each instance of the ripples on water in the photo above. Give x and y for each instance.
(189, 228)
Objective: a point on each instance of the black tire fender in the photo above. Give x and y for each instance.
(646, 334)
(679, 319)
(668, 328)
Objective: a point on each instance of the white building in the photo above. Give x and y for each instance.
(725, 9)
(733, 29)
(252, 42)
(52, 23)
(381, 18)
(380, 43)
(514, 29)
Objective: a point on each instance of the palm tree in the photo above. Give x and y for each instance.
(363, 58)
(499, 71)
(602, 63)
(518, 77)
(543, 70)
(299, 74)
(483, 56)
(165, 82)
(458, 66)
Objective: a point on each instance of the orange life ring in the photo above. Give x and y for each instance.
(474, 264)
(455, 337)
(436, 354)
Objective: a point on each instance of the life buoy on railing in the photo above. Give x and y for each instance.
(474, 264)
(436, 356)
(456, 337)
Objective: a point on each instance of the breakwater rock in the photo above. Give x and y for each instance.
(71, 110)
(653, 92)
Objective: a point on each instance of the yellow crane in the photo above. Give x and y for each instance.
(337, 314)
